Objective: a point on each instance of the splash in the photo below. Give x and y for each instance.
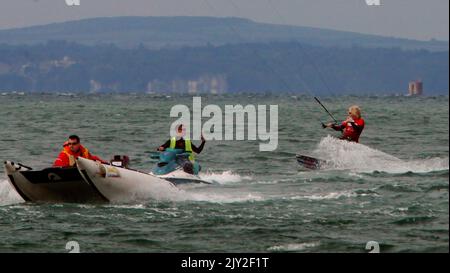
(226, 177)
(328, 196)
(360, 158)
(223, 197)
(218, 194)
(211, 194)
(194, 195)
(8, 195)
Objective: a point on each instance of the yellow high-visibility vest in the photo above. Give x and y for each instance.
(187, 147)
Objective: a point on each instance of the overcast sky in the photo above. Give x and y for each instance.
(415, 19)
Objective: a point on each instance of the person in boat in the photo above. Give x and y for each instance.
(185, 144)
(352, 127)
(72, 149)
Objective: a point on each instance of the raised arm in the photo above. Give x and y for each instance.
(199, 149)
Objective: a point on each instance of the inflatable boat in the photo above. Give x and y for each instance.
(56, 185)
(94, 182)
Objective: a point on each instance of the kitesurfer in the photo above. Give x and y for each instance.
(352, 127)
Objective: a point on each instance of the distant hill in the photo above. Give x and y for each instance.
(159, 32)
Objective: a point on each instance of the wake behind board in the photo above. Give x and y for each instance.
(309, 162)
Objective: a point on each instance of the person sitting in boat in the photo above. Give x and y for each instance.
(72, 149)
(179, 142)
(352, 127)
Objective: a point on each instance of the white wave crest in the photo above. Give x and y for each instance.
(223, 197)
(327, 196)
(293, 247)
(225, 177)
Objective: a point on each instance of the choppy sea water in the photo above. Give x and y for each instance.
(392, 188)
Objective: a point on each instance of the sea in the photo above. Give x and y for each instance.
(391, 189)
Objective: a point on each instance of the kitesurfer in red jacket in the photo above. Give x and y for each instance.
(71, 151)
(352, 127)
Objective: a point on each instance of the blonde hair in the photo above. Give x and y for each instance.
(355, 110)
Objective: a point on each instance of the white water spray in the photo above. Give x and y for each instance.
(8, 195)
(360, 158)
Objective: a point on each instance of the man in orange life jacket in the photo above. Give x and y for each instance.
(352, 127)
(71, 151)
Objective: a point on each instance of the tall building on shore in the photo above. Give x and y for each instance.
(416, 88)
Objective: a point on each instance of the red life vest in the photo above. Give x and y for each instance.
(350, 133)
(83, 152)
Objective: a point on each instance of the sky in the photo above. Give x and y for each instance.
(413, 19)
